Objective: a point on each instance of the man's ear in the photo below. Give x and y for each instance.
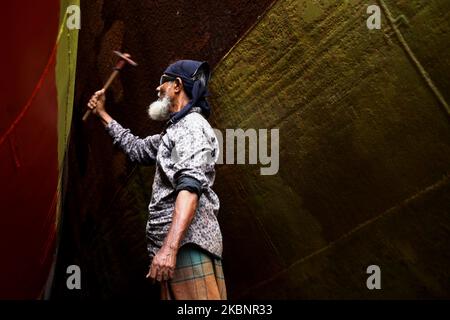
(178, 84)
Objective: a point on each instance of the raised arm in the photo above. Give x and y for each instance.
(140, 150)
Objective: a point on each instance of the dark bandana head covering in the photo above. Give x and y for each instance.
(195, 76)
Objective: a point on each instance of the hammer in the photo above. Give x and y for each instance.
(124, 58)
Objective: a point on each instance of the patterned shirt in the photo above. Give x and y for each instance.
(187, 150)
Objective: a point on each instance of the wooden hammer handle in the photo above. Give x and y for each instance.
(106, 86)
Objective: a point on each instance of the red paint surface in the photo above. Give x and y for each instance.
(28, 156)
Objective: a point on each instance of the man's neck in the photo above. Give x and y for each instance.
(179, 104)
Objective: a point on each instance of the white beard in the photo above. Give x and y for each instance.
(159, 110)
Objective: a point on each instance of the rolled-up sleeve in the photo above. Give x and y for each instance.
(139, 150)
(194, 159)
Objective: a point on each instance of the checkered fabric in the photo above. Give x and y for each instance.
(198, 276)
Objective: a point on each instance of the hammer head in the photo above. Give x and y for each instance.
(125, 57)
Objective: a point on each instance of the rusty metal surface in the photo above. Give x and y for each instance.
(364, 152)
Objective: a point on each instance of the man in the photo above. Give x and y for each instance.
(183, 234)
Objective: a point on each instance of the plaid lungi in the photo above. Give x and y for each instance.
(198, 276)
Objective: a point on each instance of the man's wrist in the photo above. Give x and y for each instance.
(171, 246)
(105, 117)
(100, 114)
